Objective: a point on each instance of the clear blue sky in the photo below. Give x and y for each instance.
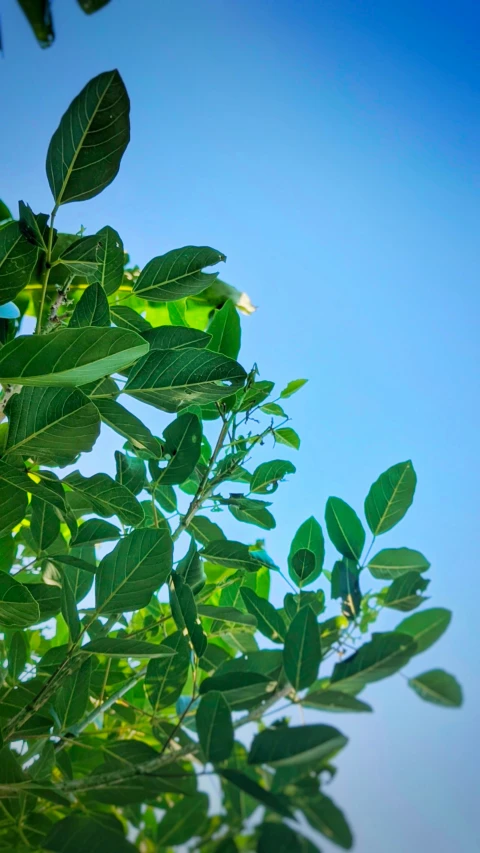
(330, 149)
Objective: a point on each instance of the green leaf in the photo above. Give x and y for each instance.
(403, 592)
(129, 426)
(252, 512)
(292, 388)
(275, 802)
(287, 436)
(86, 149)
(123, 647)
(307, 552)
(138, 565)
(173, 379)
(325, 817)
(5, 213)
(166, 677)
(269, 620)
(232, 555)
(214, 727)
(94, 531)
(71, 697)
(302, 653)
(184, 612)
(392, 563)
(390, 497)
(183, 444)
(190, 569)
(438, 687)
(79, 832)
(91, 6)
(16, 479)
(69, 357)
(346, 585)
(106, 497)
(175, 337)
(131, 472)
(14, 504)
(344, 528)
(267, 476)
(204, 530)
(227, 614)
(273, 409)
(253, 395)
(80, 258)
(44, 524)
(294, 603)
(33, 226)
(18, 608)
(8, 550)
(52, 425)
(334, 700)
(17, 260)
(280, 838)
(110, 261)
(127, 318)
(225, 330)
(177, 274)
(425, 627)
(382, 656)
(91, 309)
(17, 654)
(283, 746)
(182, 821)
(39, 16)
(242, 690)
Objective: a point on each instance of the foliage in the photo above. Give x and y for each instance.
(134, 652)
(39, 15)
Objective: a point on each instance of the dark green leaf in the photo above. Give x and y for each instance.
(8, 550)
(204, 530)
(231, 554)
(127, 318)
(292, 388)
(138, 565)
(344, 528)
(334, 700)
(390, 497)
(392, 563)
(183, 821)
(131, 472)
(278, 838)
(173, 379)
(225, 330)
(275, 802)
(381, 657)
(107, 497)
(92, 308)
(438, 687)
(69, 357)
(190, 568)
(266, 477)
(47, 598)
(96, 530)
(183, 444)
(184, 612)
(242, 690)
(294, 603)
(214, 727)
(307, 553)
(269, 620)
(33, 227)
(177, 274)
(252, 512)
(325, 817)
(302, 653)
(425, 627)
(91, 6)
(71, 697)
(14, 505)
(44, 524)
(17, 654)
(227, 614)
(295, 745)
(18, 608)
(175, 337)
(5, 213)
(166, 677)
(125, 423)
(86, 149)
(52, 425)
(266, 662)
(123, 647)
(17, 479)
(403, 592)
(346, 585)
(17, 259)
(110, 261)
(78, 832)
(80, 258)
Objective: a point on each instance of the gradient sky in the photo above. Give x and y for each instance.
(330, 149)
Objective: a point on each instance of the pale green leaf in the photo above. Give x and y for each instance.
(438, 687)
(425, 627)
(392, 563)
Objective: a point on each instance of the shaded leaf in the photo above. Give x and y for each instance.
(392, 563)
(275, 802)
(307, 552)
(96, 530)
(131, 472)
(344, 528)
(17, 654)
(295, 745)
(91, 309)
(183, 821)
(227, 614)
(325, 817)
(17, 259)
(184, 612)
(334, 700)
(110, 261)
(79, 832)
(183, 444)
(269, 620)
(425, 627)
(166, 677)
(44, 524)
(438, 687)
(177, 274)
(214, 727)
(71, 697)
(107, 497)
(18, 608)
(123, 647)
(302, 653)
(382, 656)
(125, 423)
(231, 554)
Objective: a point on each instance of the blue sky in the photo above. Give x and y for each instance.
(330, 150)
